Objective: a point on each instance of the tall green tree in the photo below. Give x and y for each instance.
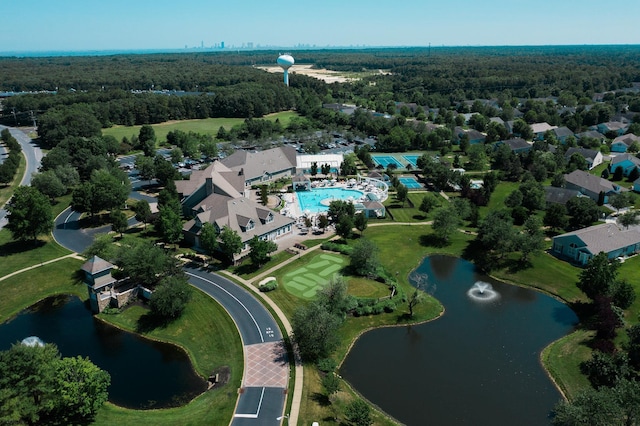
(361, 222)
(209, 238)
(364, 258)
(142, 211)
(445, 222)
(170, 297)
(170, 224)
(261, 250)
(29, 215)
(401, 193)
(118, 221)
(230, 243)
(315, 331)
(599, 276)
(38, 386)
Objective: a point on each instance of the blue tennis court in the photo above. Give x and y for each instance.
(385, 160)
(410, 183)
(413, 159)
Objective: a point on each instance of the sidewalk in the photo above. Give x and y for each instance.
(299, 380)
(74, 255)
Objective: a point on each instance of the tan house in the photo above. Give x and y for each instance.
(214, 195)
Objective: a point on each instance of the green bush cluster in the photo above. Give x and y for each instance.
(269, 286)
(374, 307)
(338, 248)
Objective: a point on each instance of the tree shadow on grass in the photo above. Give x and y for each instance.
(321, 399)
(15, 247)
(432, 240)
(149, 322)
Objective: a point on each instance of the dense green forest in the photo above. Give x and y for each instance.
(538, 82)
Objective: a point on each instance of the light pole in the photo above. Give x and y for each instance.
(286, 416)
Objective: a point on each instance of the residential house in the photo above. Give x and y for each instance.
(539, 129)
(562, 133)
(473, 136)
(581, 245)
(591, 185)
(553, 195)
(627, 162)
(636, 185)
(612, 126)
(624, 142)
(592, 134)
(263, 166)
(594, 158)
(517, 145)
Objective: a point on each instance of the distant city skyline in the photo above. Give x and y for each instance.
(75, 25)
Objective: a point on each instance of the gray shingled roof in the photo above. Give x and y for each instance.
(256, 164)
(624, 157)
(95, 265)
(236, 213)
(559, 195)
(590, 182)
(606, 237)
(586, 153)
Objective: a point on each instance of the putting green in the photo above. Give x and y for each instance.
(305, 281)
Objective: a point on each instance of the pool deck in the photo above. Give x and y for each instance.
(292, 205)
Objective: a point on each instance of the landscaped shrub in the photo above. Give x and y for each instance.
(339, 248)
(269, 286)
(389, 306)
(327, 365)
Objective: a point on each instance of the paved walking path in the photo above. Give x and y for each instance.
(299, 380)
(72, 255)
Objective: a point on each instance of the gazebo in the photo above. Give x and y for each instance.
(301, 183)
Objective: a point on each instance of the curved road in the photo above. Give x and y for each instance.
(33, 156)
(266, 370)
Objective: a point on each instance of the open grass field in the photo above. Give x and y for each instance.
(207, 126)
(408, 214)
(304, 282)
(23, 290)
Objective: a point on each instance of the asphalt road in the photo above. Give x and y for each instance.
(256, 405)
(33, 155)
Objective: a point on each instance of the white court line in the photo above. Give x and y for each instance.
(252, 416)
(235, 298)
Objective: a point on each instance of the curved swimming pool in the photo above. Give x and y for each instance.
(317, 200)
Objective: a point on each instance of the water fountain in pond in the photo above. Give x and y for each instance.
(482, 292)
(32, 341)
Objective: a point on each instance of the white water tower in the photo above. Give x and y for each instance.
(285, 62)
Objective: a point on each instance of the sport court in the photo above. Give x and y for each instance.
(385, 160)
(412, 159)
(410, 182)
(305, 282)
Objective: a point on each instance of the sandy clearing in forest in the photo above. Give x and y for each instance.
(328, 76)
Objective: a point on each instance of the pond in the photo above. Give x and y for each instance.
(144, 373)
(477, 364)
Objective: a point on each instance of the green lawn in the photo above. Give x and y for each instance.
(23, 290)
(408, 214)
(16, 255)
(208, 126)
(305, 281)
(205, 331)
(7, 191)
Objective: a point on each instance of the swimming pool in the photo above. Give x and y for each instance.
(312, 201)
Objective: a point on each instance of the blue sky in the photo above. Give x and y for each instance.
(45, 25)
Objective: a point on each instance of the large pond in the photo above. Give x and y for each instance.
(478, 364)
(144, 373)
